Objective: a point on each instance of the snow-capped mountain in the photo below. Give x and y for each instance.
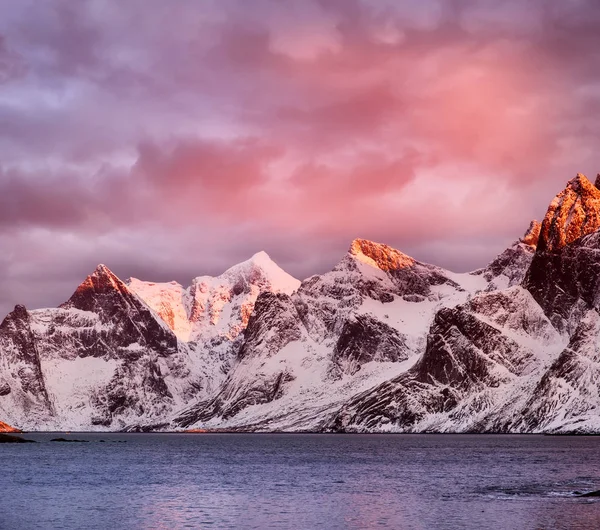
(380, 343)
(215, 307)
(523, 359)
(107, 359)
(339, 333)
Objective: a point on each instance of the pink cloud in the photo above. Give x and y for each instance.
(292, 126)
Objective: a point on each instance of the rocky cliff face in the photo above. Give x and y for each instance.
(573, 213)
(22, 386)
(498, 363)
(510, 267)
(106, 359)
(308, 351)
(380, 343)
(564, 271)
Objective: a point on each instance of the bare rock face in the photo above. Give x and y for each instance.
(574, 213)
(532, 235)
(567, 397)
(364, 339)
(563, 276)
(566, 282)
(128, 320)
(273, 324)
(22, 387)
(509, 268)
(379, 255)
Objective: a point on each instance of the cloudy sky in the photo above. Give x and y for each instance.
(173, 139)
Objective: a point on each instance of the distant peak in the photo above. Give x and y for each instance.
(103, 274)
(20, 311)
(102, 270)
(532, 234)
(101, 282)
(574, 213)
(260, 260)
(580, 183)
(261, 257)
(379, 255)
(258, 269)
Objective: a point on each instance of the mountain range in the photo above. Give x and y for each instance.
(381, 343)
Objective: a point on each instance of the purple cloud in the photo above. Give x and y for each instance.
(172, 141)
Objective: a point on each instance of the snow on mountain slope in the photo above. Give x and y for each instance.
(567, 397)
(371, 311)
(485, 359)
(474, 351)
(215, 306)
(486, 350)
(169, 300)
(106, 359)
(380, 343)
(99, 359)
(510, 267)
(221, 306)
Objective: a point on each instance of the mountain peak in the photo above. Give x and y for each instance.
(532, 234)
(580, 183)
(102, 272)
(102, 269)
(100, 282)
(261, 256)
(379, 255)
(574, 213)
(261, 267)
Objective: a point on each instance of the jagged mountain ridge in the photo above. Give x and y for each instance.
(212, 307)
(380, 343)
(459, 385)
(106, 359)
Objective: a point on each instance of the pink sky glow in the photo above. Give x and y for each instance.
(173, 139)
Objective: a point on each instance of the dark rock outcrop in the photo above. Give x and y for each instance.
(563, 276)
(10, 439)
(364, 339)
(128, 320)
(574, 213)
(23, 383)
(509, 268)
(566, 281)
(274, 323)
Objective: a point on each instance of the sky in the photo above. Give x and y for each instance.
(174, 139)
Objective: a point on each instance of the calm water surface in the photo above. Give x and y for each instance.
(300, 481)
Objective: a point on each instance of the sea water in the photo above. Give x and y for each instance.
(300, 481)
